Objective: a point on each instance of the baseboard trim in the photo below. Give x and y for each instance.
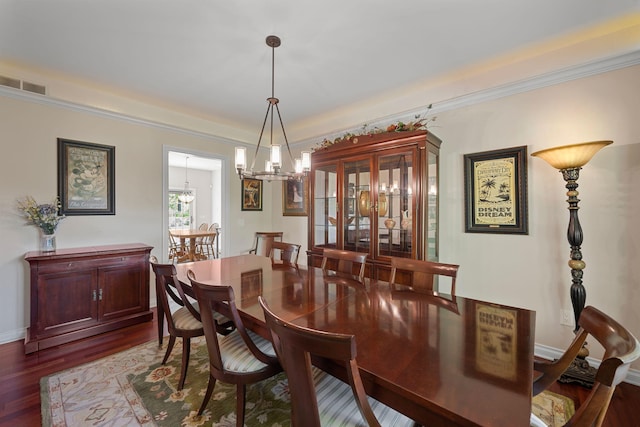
(550, 353)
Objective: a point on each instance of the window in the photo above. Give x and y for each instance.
(180, 214)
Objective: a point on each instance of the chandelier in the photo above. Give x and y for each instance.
(273, 167)
(186, 196)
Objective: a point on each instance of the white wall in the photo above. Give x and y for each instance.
(29, 132)
(528, 271)
(531, 270)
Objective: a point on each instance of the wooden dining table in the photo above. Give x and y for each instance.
(438, 359)
(193, 235)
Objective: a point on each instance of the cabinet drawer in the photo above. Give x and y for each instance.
(46, 267)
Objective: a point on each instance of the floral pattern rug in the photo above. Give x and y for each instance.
(132, 388)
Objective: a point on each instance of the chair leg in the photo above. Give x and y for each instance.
(186, 348)
(160, 314)
(210, 386)
(240, 396)
(172, 341)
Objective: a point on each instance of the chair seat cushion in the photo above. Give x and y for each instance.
(338, 408)
(185, 321)
(237, 357)
(219, 318)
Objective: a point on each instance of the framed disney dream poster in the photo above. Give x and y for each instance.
(86, 178)
(496, 191)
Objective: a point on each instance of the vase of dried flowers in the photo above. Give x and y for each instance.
(46, 217)
(47, 242)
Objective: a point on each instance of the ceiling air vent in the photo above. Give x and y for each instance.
(8, 81)
(32, 87)
(21, 84)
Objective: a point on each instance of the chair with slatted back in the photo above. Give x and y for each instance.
(184, 322)
(206, 246)
(422, 274)
(239, 358)
(317, 398)
(621, 349)
(344, 261)
(263, 241)
(286, 253)
(176, 250)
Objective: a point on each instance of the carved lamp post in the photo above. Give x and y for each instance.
(569, 159)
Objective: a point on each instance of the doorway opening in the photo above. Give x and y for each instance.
(201, 175)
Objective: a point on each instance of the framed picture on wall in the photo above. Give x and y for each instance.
(295, 197)
(86, 178)
(251, 194)
(496, 191)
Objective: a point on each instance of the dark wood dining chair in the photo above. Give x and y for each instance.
(239, 358)
(263, 241)
(421, 274)
(344, 262)
(285, 252)
(621, 349)
(184, 322)
(317, 398)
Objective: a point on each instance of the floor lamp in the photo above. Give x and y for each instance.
(569, 159)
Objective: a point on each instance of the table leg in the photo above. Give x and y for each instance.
(192, 249)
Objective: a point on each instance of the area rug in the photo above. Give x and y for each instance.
(132, 388)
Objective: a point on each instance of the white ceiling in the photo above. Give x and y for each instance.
(210, 57)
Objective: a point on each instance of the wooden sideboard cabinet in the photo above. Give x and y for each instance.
(76, 293)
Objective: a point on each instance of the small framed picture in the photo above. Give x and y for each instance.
(295, 197)
(251, 194)
(86, 178)
(496, 191)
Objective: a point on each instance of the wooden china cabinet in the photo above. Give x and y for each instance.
(376, 194)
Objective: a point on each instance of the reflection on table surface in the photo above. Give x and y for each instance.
(438, 359)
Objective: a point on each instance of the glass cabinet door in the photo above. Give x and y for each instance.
(325, 207)
(396, 205)
(432, 206)
(358, 205)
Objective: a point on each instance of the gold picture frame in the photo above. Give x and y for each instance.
(295, 197)
(251, 196)
(496, 191)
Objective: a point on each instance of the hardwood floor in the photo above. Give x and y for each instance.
(20, 375)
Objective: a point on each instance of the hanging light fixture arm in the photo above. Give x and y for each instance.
(264, 123)
(284, 134)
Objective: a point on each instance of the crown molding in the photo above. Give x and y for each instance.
(563, 75)
(533, 83)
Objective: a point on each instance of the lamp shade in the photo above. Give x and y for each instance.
(571, 156)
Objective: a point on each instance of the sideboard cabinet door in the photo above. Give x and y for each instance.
(65, 302)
